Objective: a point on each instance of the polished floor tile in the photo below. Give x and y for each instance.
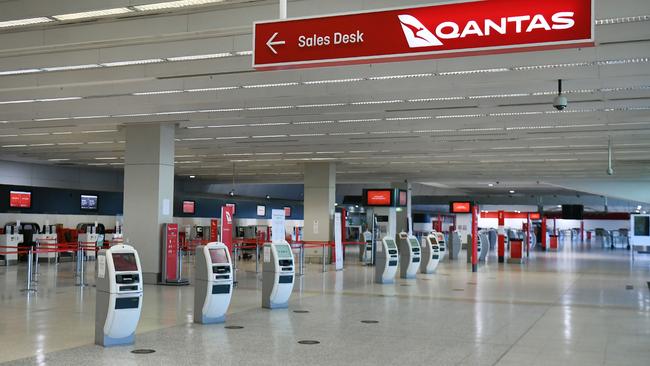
(581, 306)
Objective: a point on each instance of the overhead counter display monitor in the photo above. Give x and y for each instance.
(287, 212)
(125, 262)
(261, 210)
(20, 199)
(189, 207)
(219, 256)
(88, 202)
(460, 207)
(572, 212)
(379, 197)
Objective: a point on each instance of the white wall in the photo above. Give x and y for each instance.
(561, 224)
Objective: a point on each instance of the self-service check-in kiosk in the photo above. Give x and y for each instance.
(409, 261)
(442, 244)
(277, 276)
(213, 283)
(387, 258)
(430, 254)
(119, 296)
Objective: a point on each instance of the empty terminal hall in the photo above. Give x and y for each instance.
(341, 182)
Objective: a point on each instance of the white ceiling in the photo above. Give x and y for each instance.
(462, 122)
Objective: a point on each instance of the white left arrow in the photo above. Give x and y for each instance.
(272, 42)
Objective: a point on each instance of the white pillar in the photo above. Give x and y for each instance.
(320, 196)
(148, 192)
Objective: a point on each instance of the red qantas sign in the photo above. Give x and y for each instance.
(444, 30)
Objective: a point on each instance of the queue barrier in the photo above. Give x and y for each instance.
(33, 251)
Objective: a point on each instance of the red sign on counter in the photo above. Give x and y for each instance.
(214, 227)
(444, 30)
(171, 270)
(227, 223)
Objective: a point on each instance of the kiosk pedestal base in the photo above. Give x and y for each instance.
(207, 320)
(106, 341)
(276, 306)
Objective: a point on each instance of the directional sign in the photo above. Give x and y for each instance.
(444, 30)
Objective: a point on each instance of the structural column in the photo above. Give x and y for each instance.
(148, 192)
(403, 215)
(320, 196)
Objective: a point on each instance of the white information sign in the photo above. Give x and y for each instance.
(277, 226)
(338, 241)
(101, 266)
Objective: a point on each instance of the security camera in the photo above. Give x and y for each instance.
(560, 102)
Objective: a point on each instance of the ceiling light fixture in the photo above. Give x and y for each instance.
(27, 21)
(92, 14)
(174, 4)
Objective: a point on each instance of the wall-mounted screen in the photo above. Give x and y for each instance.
(641, 226)
(18, 199)
(189, 207)
(287, 211)
(572, 212)
(261, 210)
(460, 207)
(125, 262)
(219, 256)
(88, 202)
(379, 197)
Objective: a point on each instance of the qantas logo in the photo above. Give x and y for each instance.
(228, 217)
(417, 35)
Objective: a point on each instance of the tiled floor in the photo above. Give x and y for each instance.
(561, 308)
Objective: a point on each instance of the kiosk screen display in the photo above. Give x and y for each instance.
(125, 262)
(642, 226)
(219, 256)
(284, 251)
(390, 243)
(414, 243)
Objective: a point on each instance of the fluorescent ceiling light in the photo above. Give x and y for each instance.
(71, 67)
(132, 62)
(18, 101)
(28, 21)
(199, 57)
(19, 72)
(158, 92)
(58, 159)
(174, 4)
(92, 14)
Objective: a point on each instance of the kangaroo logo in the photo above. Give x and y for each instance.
(416, 33)
(228, 217)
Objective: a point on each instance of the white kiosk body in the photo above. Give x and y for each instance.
(442, 244)
(11, 238)
(278, 275)
(387, 258)
(430, 254)
(88, 240)
(119, 296)
(213, 283)
(409, 261)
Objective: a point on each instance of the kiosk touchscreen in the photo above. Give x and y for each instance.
(119, 295)
(387, 257)
(213, 283)
(409, 261)
(430, 254)
(278, 275)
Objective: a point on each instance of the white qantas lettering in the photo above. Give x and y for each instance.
(417, 35)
